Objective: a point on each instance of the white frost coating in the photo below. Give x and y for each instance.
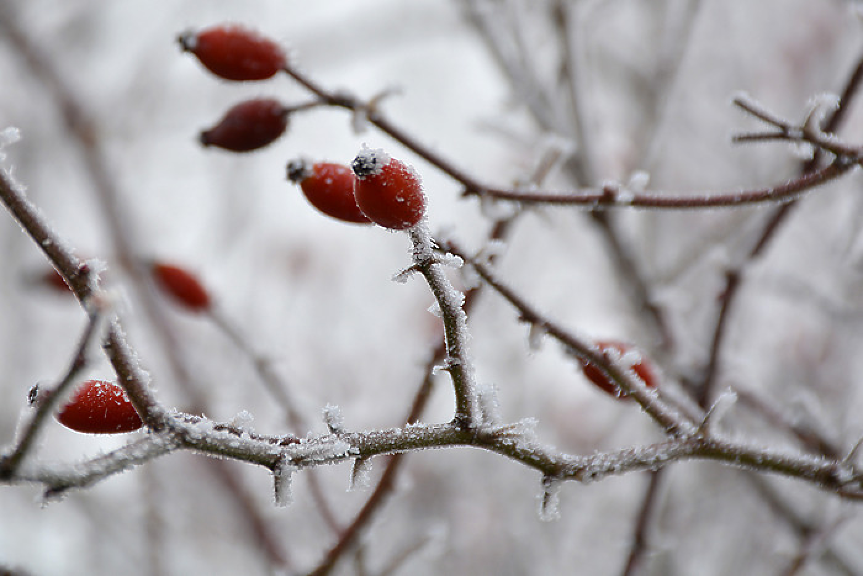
(333, 418)
(370, 162)
(283, 479)
(243, 421)
(360, 474)
(522, 432)
(470, 278)
(628, 359)
(451, 260)
(329, 448)
(549, 500)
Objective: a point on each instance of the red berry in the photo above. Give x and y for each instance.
(387, 190)
(643, 369)
(100, 407)
(235, 53)
(248, 126)
(329, 188)
(181, 285)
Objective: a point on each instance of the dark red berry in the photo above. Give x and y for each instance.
(100, 407)
(181, 285)
(248, 126)
(643, 369)
(329, 188)
(235, 53)
(387, 190)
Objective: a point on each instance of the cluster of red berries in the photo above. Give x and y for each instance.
(376, 188)
(237, 54)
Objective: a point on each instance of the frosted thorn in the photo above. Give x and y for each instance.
(360, 474)
(852, 454)
(535, 334)
(718, 410)
(283, 476)
(549, 501)
(820, 107)
(402, 277)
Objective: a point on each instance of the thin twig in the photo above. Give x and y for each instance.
(47, 400)
(450, 303)
(668, 417)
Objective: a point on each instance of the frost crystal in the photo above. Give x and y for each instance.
(451, 260)
(333, 419)
(243, 421)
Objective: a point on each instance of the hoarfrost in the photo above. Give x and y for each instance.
(326, 449)
(243, 421)
(523, 431)
(470, 278)
(451, 260)
(360, 474)
(333, 418)
(549, 499)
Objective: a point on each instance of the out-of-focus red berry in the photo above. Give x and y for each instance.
(329, 188)
(248, 126)
(235, 53)
(181, 285)
(643, 369)
(100, 407)
(387, 190)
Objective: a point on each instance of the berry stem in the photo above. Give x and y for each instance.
(450, 301)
